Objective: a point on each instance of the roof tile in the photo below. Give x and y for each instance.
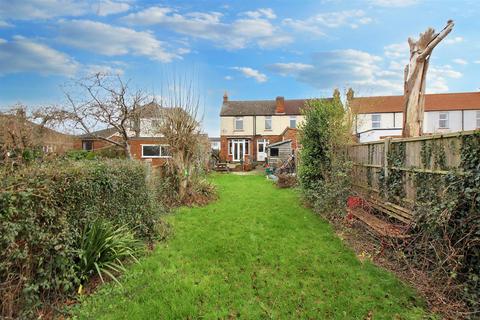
(433, 102)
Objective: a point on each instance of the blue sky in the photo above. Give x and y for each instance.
(251, 49)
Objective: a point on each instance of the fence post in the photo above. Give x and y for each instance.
(386, 149)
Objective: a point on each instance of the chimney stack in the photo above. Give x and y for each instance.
(350, 94)
(225, 97)
(279, 105)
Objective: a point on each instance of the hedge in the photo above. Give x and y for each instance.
(43, 210)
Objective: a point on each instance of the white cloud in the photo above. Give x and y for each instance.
(460, 61)
(252, 73)
(454, 40)
(394, 3)
(260, 13)
(437, 78)
(48, 9)
(237, 34)
(228, 78)
(476, 61)
(317, 24)
(108, 7)
(397, 51)
(343, 68)
(106, 69)
(304, 26)
(366, 73)
(286, 69)
(25, 55)
(5, 24)
(112, 41)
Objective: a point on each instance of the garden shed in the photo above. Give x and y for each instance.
(279, 152)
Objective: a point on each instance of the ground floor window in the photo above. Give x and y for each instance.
(155, 151)
(87, 145)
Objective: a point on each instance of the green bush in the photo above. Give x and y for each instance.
(44, 209)
(80, 155)
(323, 169)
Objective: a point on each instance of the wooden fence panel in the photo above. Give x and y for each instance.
(371, 162)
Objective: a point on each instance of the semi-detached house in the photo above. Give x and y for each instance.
(247, 127)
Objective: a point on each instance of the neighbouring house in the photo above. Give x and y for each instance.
(215, 143)
(145, 143)
(382, 116)
(248, 127)
(17, 126)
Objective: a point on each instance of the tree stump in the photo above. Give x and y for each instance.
(415, 78)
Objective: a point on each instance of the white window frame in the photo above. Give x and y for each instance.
(268, 119)
(236, 121)
(447, 120)
(244, 144)
(154, 145)
(293, 118)
(478, 119)
(376, 124)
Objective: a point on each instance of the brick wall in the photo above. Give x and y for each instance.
(136, 150)
(292, 134)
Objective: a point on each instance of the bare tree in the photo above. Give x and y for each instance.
(415, 78)
(181, 129)
(101, 101)
(15, 132)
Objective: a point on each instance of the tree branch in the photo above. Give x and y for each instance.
(436, 40)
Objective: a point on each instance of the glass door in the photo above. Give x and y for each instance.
(238, 149)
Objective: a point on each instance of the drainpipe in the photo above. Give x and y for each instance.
(463, 119)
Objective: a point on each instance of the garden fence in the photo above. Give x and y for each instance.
(385, 170)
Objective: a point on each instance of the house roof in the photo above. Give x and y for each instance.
(149, 110)
(433, 102)
(276, 144)
(104, 133)
(261, 107)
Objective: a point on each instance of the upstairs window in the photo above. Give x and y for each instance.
(376, 121)
(239, 123)
(293, 122)
(478, 119)
(443, 120)
(268, 122)
(87, 145)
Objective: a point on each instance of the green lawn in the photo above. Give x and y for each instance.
(256, 253)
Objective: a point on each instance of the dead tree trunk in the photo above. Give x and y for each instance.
(415, 78)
